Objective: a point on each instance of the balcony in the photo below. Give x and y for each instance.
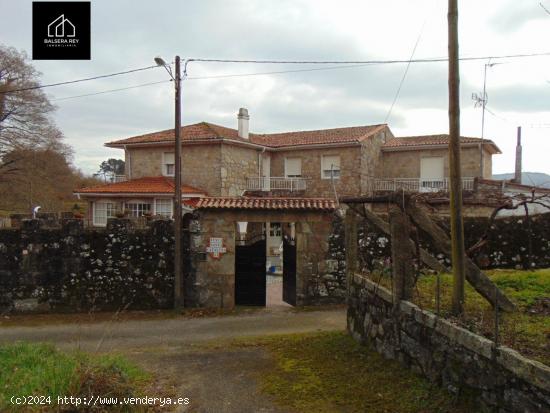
(119, 178)
(418, 185)
(275, 184)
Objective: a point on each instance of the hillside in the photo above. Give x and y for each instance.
(528, 178)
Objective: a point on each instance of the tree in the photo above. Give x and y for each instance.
(110, 168)
(24, 114)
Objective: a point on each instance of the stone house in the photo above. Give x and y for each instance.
(223, 162)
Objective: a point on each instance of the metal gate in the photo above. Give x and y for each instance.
(289, 271)
(250, 273)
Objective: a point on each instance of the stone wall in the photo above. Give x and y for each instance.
(508, 244)
(500, 378)
(406, 163)
(237, 164)
(72, 269)
(371, 159)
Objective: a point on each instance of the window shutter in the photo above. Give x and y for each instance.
(293, 166)
(169, 158)
(331, 161)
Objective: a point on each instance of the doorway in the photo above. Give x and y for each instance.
(265, 264)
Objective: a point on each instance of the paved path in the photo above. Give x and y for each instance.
(216, 379)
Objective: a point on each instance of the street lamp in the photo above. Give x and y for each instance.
(178, 278)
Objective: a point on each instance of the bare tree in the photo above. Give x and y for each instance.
(24, 115)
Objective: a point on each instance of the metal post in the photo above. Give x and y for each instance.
(438, 294)
(484, 102)
(178, 281)
(496, 318)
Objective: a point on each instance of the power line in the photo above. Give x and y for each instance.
(79, 80)
(111, 90)
(515, 122)
(406, 70)
(322, 62)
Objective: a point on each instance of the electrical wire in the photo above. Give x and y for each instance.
(79, 80)
(406, 70)
(321, 62)
(111, 90)
(530, 126)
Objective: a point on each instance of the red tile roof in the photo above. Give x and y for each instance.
(317, 204)
(146, 185)
(429, 140)
(210, 132)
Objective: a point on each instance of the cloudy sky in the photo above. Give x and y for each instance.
(128, 34)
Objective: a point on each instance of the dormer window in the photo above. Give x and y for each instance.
(168, 164)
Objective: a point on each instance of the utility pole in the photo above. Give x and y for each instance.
(178, 276)
(457, 226)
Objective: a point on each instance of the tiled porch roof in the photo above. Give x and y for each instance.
(145, 185)
(314, 204)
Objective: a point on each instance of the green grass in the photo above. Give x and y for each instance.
(527, 330)
(39, 369)
(331, 372)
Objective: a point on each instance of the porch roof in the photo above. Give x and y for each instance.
(154, 185)
(261, 203)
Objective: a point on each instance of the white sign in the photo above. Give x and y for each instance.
(216, 248)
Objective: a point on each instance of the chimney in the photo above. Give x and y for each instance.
(517, 171)
(243, 123)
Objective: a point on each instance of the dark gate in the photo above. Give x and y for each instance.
(289, 270)
(250, 274)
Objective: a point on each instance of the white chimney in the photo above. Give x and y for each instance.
(243, 123)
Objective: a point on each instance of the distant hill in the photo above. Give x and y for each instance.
(528, 178)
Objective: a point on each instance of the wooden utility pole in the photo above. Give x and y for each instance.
(401, 255)
(457, 226)
(178, 278)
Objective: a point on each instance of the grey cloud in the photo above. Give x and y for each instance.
(520, 98)
(515, 14)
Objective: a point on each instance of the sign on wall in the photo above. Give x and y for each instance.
(215, 248)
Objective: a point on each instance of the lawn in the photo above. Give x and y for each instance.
(527, 330)
(40, 370)
(331, 372)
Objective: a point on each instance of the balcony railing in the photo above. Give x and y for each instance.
(418, 185)
(275, 184)
(120, 178)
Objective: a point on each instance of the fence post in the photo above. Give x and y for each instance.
(350, 228)
(401, 254)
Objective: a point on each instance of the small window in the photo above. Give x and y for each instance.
(275, 229)
(293, 167)
(163, 207)
(330, 167)
(102, 212)
(138, 209)
(168, 164)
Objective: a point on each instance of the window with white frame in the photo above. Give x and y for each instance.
(293, 167)
(163, 207)
(168, 164)
(102, 212)
(330, 166)
(137, 209)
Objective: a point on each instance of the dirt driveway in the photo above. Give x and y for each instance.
(188, 354)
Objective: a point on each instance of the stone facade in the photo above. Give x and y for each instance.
(406, 163)
(237, 164)
(201, 165)
(320, 262)
(501, 379)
